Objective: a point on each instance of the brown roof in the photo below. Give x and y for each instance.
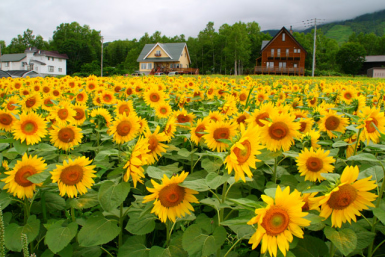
(287, 33)
(51, 54)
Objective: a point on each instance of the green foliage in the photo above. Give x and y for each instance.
(351, 57)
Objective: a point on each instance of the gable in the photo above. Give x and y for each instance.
(169, 52)
(12, 57)
(158, 51)
(278, 42)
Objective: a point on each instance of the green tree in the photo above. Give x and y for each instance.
(22, 42)
(206, 39)
(81, 43)
(350, 57)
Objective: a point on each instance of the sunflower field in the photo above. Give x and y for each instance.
(192, 166)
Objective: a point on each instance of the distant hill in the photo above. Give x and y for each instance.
(341, 30)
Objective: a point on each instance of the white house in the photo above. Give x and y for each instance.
(44, 62)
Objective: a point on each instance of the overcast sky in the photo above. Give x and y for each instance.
(127, 19)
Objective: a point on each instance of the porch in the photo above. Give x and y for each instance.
(279, 71)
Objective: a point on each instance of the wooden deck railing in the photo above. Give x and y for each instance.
(279, 71)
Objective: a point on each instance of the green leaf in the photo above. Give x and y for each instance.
(171, 168)
(225, 141)
(380, 214)
(333, 177)
(111, 195)
(141, 224)
(340, 144)
(3, 146)
(267, 155)
(13, 233)
(243, 231)
(5, 199)
(157, 251)
(314, 189)
(213, 202)
(46, 147)
(39, 177)
(363, 157)
(185, 153)
(292, 154)
(344, 240)
(85, 201)
(97, 231)
(58, 237)
(310, 247)
(213, 180)
(221, 155)
(54, 202)
(103, 154)
(21, 148)
(134, 247)
(247, 203)
(155, 172)
(375, 171)
(198, 185)
(7, 140)
(211, 165)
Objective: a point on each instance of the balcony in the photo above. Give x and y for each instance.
(284, 56)
(279, 71)
(158, 55)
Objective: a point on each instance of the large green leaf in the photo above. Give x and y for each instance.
(141, 224)
(54, 202)
(13, 233)
(380, 214)
(58, 236)
(134, 247)
(97, 231)
(157, 173)
(211, 165)
(345, 240)
(103, 154)
(213, 180)
(85, 201)
(21, 148)
(198, 185)
(310, 247)
(363, 157)
(111, 195)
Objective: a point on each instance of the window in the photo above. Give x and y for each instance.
(295, 65)
(53, 59)
(270, 64)
(177, 65)
(298, 50)
(287, 51)
(283, 36)
(272, 52)
(48, 58)
(282, 65)
(295, 50)
(149, 66)
(60, 70)
(181, 65)
(157, 53)
(278, 52)
(143, 66)
(6, 64)
(50, 68)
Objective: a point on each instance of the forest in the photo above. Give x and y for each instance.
(212, 51)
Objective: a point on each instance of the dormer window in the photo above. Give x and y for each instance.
(157, 53)
(283, 36)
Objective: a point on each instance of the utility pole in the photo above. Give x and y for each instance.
(311, 23)
(101, 57)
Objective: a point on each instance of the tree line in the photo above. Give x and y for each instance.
(233, 49)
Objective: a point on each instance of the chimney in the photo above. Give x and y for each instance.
(291, 30)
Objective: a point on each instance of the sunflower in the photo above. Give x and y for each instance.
(352, 141)
(143, 125)
(280, 132)
(137, 158)
(240, 118)
(171, 200)
(6, 120)
(155, 147)
(31, 127)
(305, 125)
(312, 164)
(82, 97)
(348, 198)
(279, 221)
(65, 137)
(31, 102)
(11, 103)
(153, 97)
(242, 97)
(333, 122)
(217, 131)
(348, 95)
(310, 203)
(261, 114)
(170, 128)
(108, 97)
(4, 164)
(80, 116)
(124, 107)
(163, 110)
(17, 181)
(215, 116)
(48, 103)
(196, 132)
(63, 113)
(242, 154)
(124, 128)
(102, 113)
(370, 118)
(74, 176)
(182, 116)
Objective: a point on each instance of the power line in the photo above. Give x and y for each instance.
(313, 23)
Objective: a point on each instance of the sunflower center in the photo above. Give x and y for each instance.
(107, 98)
(79, 114)
(243, 154)
(262, 116)
(369, 125)
(46, 89)
(276, 221)
(332, 123)
(343, 197)
(348, 95)
(21, 176)
(154, 97)
(199, 129)
(241, 119)
(124, 109)
(56, 93)
(5, 119)
(129, 91)
(29, 127)
(210, 91)
(182, 118)
(72, 175)
(171, 195)
(312, 101)
(303, 126)
(80, 97)
(305, 207)
(117, 89)
(278, 130)
(314, 164)
(66, 135)
(123, 128)
(30, 102)
(11, 106)
(221, 133)
(163, 110)
(153, 143)
(242, 97)
(62, 114)
(48, 102)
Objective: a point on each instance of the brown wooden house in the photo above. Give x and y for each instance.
(282, 55)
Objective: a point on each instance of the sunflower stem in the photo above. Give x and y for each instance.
(121, 225)
(2, 232)
(26, 210)
(43, 206)
(73, 214)
(356, 146)
(224, 193)
(332, 250)
(231, 248)
(168, 233)
(275, 170)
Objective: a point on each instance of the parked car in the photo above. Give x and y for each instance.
(24, 74)
(4, 74)
(159, 73)
(173, 73)
(137, 73)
